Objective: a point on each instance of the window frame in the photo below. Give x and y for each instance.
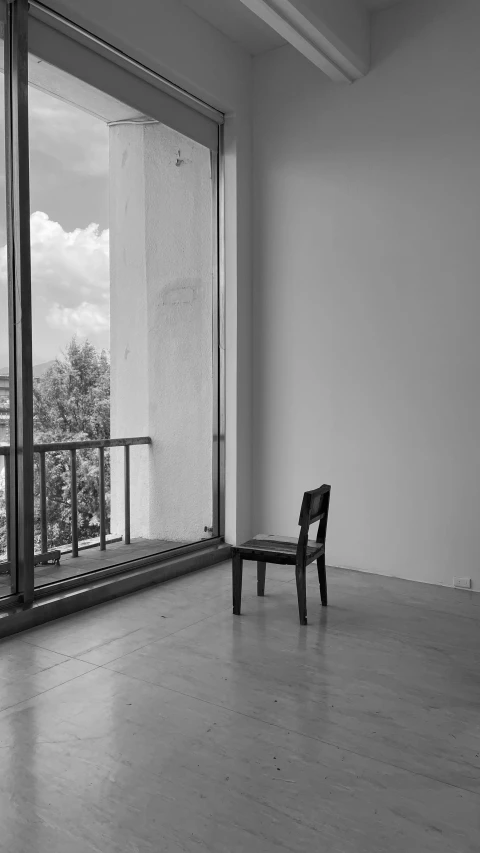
(20, 15)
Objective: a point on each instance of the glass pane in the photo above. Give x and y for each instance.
(123, 236)
(5, 581)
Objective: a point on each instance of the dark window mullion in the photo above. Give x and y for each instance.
(19, 295)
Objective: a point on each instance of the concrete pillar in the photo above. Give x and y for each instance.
(128, 322)
(161, 328)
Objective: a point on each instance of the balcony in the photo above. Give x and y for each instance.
(126, 329)
(56, 561)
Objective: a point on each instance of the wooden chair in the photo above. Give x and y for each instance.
(287, 550)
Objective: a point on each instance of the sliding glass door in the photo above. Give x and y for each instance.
(123, 396)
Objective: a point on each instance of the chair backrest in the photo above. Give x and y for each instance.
(315, 505)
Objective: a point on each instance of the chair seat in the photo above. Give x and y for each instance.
(273, 548)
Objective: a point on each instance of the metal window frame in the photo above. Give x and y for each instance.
(220, 317)
(58, 22)
(218, 314)
(19, 299)
(21, 471)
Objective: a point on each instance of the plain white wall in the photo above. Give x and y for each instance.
(169, 38)
(367, 295)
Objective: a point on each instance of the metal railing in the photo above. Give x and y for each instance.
(72, 447)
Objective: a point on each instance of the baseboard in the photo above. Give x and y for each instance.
(440, 584)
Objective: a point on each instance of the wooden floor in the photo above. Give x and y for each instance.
(161, 723)
(91, 559)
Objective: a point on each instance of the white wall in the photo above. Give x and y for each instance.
(367, 295)
(172, 40)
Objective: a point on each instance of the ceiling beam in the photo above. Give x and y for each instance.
(309, 32)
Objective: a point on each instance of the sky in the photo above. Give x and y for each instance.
(69, 227)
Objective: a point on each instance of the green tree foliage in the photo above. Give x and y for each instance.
(71, 402)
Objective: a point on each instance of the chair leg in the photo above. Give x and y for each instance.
(261, 571)
(301, 579)
(322, 579)
(237, 573)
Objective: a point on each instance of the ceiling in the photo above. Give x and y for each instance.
(243, 27)
(234, 20)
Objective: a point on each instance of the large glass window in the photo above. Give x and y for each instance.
(123, 248)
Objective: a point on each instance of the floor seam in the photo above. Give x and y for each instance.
(405, 636)
(150, 642)
(75, 657)
(92, 648)
(123, 636)
(38, 672)
(48, 689)
(158, 639)
(291, 731)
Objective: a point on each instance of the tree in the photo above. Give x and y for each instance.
(73, 396)
(71, 402)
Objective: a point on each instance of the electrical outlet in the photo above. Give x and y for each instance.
(462, 583)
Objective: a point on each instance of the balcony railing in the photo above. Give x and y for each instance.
(72, 447)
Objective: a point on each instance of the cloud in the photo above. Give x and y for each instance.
(69, 266)
(69, 161)
(70, 285)
(85, 320)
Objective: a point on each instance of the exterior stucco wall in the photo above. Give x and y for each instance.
(179, 256)
(161, 321)
(128, 322)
